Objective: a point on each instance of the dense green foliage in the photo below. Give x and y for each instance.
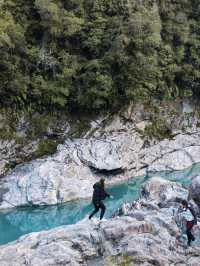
(97, 53)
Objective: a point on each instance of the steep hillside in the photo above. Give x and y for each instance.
(96, 54)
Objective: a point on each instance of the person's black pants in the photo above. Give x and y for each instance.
(190, 236)
(98, 206)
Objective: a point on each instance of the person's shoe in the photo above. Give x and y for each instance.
(103, 220)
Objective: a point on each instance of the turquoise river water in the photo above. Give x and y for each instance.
(17, 222)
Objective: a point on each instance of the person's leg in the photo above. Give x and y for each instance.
(189, 233)
(189, 236)
(192, 237)
(103, 209)
(95, 211)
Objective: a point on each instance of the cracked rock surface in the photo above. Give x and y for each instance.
(145, 233)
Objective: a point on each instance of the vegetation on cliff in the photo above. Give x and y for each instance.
(96, 54)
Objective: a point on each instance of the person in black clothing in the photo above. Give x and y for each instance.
(99, 194)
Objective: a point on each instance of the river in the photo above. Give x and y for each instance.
(20, 221)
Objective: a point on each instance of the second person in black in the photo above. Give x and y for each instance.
(99, 194)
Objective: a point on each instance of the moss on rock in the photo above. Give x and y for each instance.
(46, 146)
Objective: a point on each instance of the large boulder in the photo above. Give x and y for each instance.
(47, 184)
(163, 191)
(52, 180)
(113, 152)
(174, 154)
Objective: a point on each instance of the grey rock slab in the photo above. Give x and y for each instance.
(113, 152)
(45, 182)
(176, 154)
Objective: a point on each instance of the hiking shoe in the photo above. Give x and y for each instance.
(103, 220)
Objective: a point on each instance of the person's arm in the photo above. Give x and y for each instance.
(194, 214)
(107, 194)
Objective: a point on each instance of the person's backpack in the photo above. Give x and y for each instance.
(194, 214)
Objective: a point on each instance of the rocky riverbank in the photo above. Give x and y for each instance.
(142, 233)
(26, 136)
(116, 149)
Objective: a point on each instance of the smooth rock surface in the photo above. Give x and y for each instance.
(47, 181)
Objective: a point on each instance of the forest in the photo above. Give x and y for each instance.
(97, 54)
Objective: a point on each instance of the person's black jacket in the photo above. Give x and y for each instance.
(193, 213)
(99, 193)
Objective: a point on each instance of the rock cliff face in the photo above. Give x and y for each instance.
(144, 233)
(24, 137)
(116, 151)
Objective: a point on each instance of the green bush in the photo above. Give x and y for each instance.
(46, 146)
(158, 129)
